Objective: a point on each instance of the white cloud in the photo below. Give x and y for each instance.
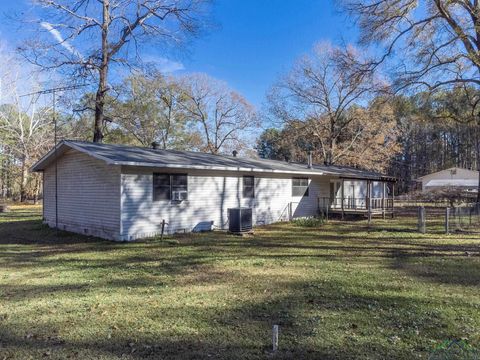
(164, 65)
(56, 34)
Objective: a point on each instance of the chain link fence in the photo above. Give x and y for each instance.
(462, 218)
(466, 218)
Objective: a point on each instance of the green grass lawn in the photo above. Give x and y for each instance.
(338, 292)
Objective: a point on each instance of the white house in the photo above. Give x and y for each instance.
(124, 193)
(452, 177)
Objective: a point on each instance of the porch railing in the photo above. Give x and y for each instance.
(355, 203)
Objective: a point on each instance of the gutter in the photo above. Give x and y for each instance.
(214, 168)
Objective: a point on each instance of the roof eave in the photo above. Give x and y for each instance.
(375, 178)
(38, 166)
(62, 146)
(216, 168)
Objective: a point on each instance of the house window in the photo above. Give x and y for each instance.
(161, 187)
(248, 187)
(300, 187)
(179, 184)
(170, 186)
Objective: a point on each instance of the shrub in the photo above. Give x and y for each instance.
(310, 221)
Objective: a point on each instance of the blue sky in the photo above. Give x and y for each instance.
(260, 39)
(257, 40)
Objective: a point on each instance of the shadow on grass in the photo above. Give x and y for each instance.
(305, 311)
(336, 318)
(463, 270)
(274, 242)
(33, 232)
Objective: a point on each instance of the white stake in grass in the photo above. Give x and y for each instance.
(275, 337)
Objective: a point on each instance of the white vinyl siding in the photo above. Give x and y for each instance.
(88, 195)
(210, 194)
(318, 187)
(456, 177)
(116, 202)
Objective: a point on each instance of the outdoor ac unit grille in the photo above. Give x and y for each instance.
(240, 220)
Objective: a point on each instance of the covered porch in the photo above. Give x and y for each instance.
(363, 196)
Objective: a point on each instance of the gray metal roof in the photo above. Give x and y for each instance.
(350, 172)
(140, 156)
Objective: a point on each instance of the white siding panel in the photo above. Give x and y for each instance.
(210, 194)
(319, 186)
(450, 177)
(88, 195)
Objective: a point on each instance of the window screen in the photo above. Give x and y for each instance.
(248, 187)
(300, 187)
(165, 184)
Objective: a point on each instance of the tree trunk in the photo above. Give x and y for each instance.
(4, 178)
(8, 176)
(23, 180)
(329, 154)
(36, 190)
(99, 117)
(103, 74)
(477, 155)
(478, 169)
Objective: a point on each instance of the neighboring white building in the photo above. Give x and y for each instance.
(452, 177)
(124, 193)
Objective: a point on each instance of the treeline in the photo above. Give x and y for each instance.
(404, 136)
(437, 131)
(335, 101)
(194, 112)
(432, 132)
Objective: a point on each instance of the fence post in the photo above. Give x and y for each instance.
(163, 230)
(421, 220)
(447, 220)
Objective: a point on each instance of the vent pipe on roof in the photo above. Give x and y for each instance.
(310, 161)
(155, 145)
(234, 153)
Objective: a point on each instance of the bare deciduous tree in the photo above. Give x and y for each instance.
(223, 115)
(431, 44)
(30, 133)
(84, 39)
(434, 43)
(321, 99)
(25, 126)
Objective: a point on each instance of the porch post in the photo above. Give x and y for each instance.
(383, 198)
(393, 197)
(369, 194)
(343, 195)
